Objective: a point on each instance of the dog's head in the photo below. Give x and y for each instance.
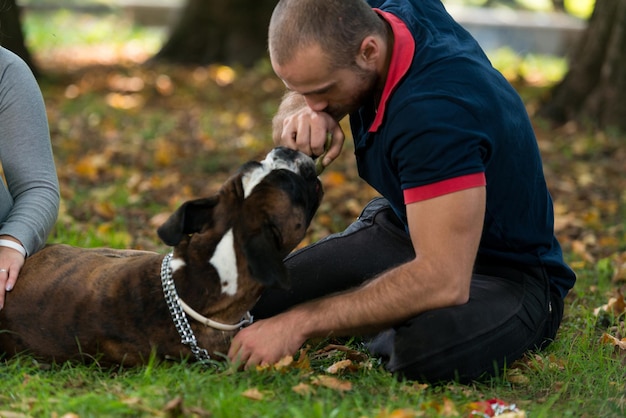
(259, 215)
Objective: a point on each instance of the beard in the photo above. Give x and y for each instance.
(367, 81)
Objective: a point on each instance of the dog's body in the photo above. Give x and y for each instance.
(109, 305)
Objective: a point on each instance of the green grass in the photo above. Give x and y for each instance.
(575, 377)
(65, 28)
(212, 129)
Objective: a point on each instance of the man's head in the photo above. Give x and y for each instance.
(332, 52)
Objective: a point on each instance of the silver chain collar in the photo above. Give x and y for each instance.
(179, 317)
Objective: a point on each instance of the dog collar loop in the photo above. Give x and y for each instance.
(178, 308)
(246, 320)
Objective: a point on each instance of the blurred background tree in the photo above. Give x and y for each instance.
(225, 31)
(594, 89)
(234, 32)
(11, 35)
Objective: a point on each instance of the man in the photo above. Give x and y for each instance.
(456, 272)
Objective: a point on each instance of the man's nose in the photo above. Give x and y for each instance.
(316, 103)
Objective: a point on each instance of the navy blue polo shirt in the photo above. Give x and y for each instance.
(448, 121)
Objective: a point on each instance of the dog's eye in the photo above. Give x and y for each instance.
(278, 237)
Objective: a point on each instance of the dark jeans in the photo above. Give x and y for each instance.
(511, 308)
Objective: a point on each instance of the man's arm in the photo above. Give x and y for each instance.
(445, 232)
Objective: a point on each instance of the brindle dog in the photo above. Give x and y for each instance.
(109, 305)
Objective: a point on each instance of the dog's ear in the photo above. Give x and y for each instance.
(264, 260)
(189, 218)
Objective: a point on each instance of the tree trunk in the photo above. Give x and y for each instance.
(594, 89)
(224, 31)
(11, 35)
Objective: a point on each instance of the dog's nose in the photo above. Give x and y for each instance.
(284, 153)
(293, 160)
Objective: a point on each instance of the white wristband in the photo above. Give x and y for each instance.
(14, 245)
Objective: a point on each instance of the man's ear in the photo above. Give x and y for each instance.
(369, 52)
(189, 218)
(265, 263)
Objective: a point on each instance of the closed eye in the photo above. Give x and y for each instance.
(278, 237)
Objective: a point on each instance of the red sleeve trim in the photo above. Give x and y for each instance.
(417, 194)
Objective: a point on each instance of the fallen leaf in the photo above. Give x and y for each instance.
(334, 179)
(619, 268)
(124, 101)
(254, 394)
(90, 166)
(174, 408)
(414, 387)
(539, 362)
(615, 306)
(516, 377)
(283, 363)
(287, 363)
(332, 383)
(303, 389)
(10, 414)
(341, 366)
(445, 408)
(398, 413)
(609, 339)
(352, 354)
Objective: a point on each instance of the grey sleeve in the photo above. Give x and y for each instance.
(29, 201)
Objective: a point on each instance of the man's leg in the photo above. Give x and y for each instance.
(508, 313)
(375, 242)
(504, 318)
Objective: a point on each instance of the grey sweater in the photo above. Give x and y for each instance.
(29, 195)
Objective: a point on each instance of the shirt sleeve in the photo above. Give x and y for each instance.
(439, 148)
(30, 208)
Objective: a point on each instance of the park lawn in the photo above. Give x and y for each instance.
(132, 142)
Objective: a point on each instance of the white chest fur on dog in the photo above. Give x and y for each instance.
(224, 260)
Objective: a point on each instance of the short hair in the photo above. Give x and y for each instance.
(337, 26)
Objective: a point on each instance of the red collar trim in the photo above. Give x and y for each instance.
(401, 59)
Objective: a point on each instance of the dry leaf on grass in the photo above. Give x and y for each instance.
(253, 393)
(288, 363)
(351, 354)
(400, 413)
(615, 306)
(332, 383)
(539, 362)
(10, 414)
(415, 387)
(445, 408)
(517, 377)
(619, 267)
(343, 365)
(609, 339)
(174, 408)
(303, 389)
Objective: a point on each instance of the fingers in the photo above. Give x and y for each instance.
(241, 358)
(11, 261)
(337, 138)
(307, 131)
(264, 342)
(4, 276)
(13, 272)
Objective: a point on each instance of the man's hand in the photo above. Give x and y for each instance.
(265, 342)
(299, 127)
